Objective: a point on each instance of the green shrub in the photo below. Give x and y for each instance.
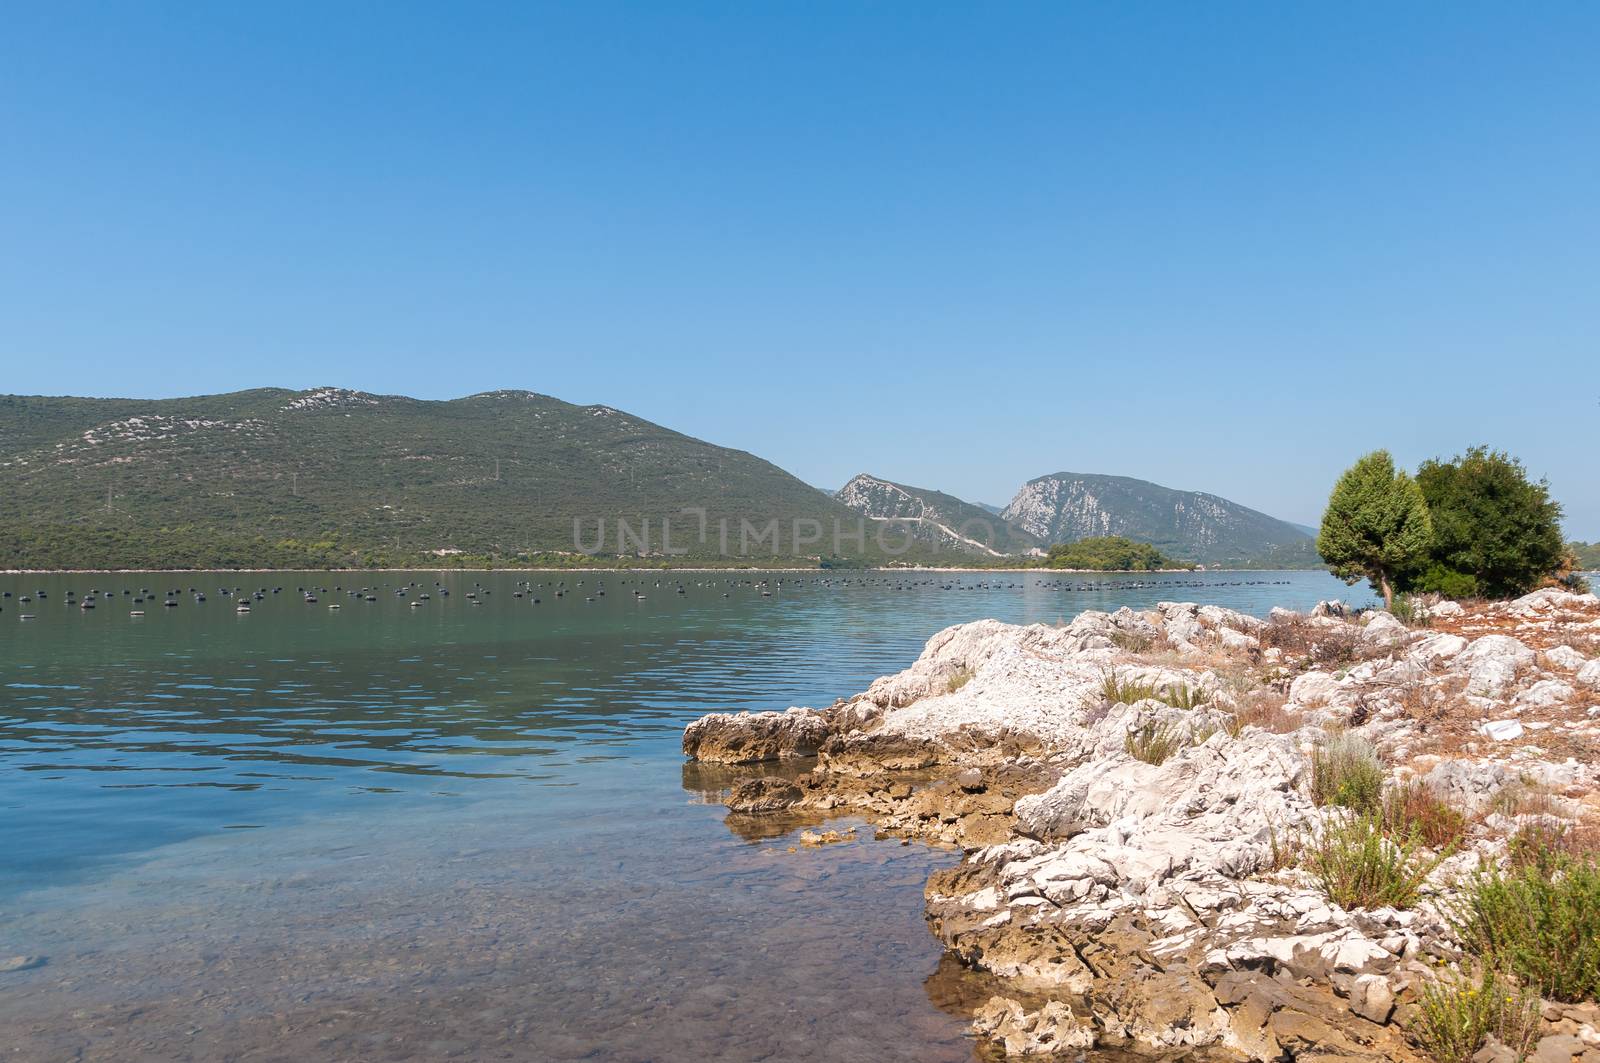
(1153, 743)
(1457, 1014)
(1540, 921)
(1408, 611)
(1358, 865)
(1346, 771)
(961, 678)
(1547, 843)
(1446, 581)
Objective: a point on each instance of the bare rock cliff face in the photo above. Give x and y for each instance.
(1191, 525)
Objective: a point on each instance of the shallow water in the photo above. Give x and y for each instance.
(466, 831)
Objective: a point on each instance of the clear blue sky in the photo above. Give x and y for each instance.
(1223, 247)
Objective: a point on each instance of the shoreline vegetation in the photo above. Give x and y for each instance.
(1110, 554)
(1329, 835)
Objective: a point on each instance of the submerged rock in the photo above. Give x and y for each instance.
(765, 794)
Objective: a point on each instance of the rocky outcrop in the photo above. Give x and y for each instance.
(1129, 825)
(753, 737)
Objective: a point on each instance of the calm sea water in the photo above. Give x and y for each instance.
(464, 830)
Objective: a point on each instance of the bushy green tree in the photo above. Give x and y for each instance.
(1376, 525)
(1491, 524)
(1109, 553)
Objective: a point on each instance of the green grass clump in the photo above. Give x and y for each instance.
(1153, 743)
(1539, 921)
(1409, 611)
(1359, 865)
(1121, 691)
(1457, 1014)
(961, 678)
(1346, 771)
(1184, 696)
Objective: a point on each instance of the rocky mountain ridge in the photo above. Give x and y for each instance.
(937, 518)
(1190, 525)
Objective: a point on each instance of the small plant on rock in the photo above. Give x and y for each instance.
(1409, 611)
(1545, 842)
(1457, 1014)
(1312, 644)
(961, 678)
(1264, 709)
(1358, 865)
(1184, 696)
(1346, 771)
(1118, 690)
(1412, 810)
(1154, 742)
(1132, 641)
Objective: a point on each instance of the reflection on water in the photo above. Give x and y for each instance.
(386, 832)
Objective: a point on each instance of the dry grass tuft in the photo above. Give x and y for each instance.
(1313, 645)
(1413, 810)
(961, 678)
(1266, 709)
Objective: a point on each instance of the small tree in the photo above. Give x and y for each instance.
(1376, 524)
(1490, 523)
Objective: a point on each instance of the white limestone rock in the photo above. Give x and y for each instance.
(1492, 664)
(1383, 631)
(1589, 675)
(1565, 658)
(1313, 689)
(1546, 693)
(1550, 600)
(1434, 650)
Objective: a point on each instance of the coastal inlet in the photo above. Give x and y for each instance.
(386, 832)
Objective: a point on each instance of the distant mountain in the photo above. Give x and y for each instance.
(1193, 526)
(276, 478)
(938, 519)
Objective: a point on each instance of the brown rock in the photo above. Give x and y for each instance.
(1558, 1048)
(753, 737)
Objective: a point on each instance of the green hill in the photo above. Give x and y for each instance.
(276, 478)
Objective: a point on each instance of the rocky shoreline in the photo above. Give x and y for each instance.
(1130, 791)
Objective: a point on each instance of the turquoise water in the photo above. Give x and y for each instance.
(465, 830)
